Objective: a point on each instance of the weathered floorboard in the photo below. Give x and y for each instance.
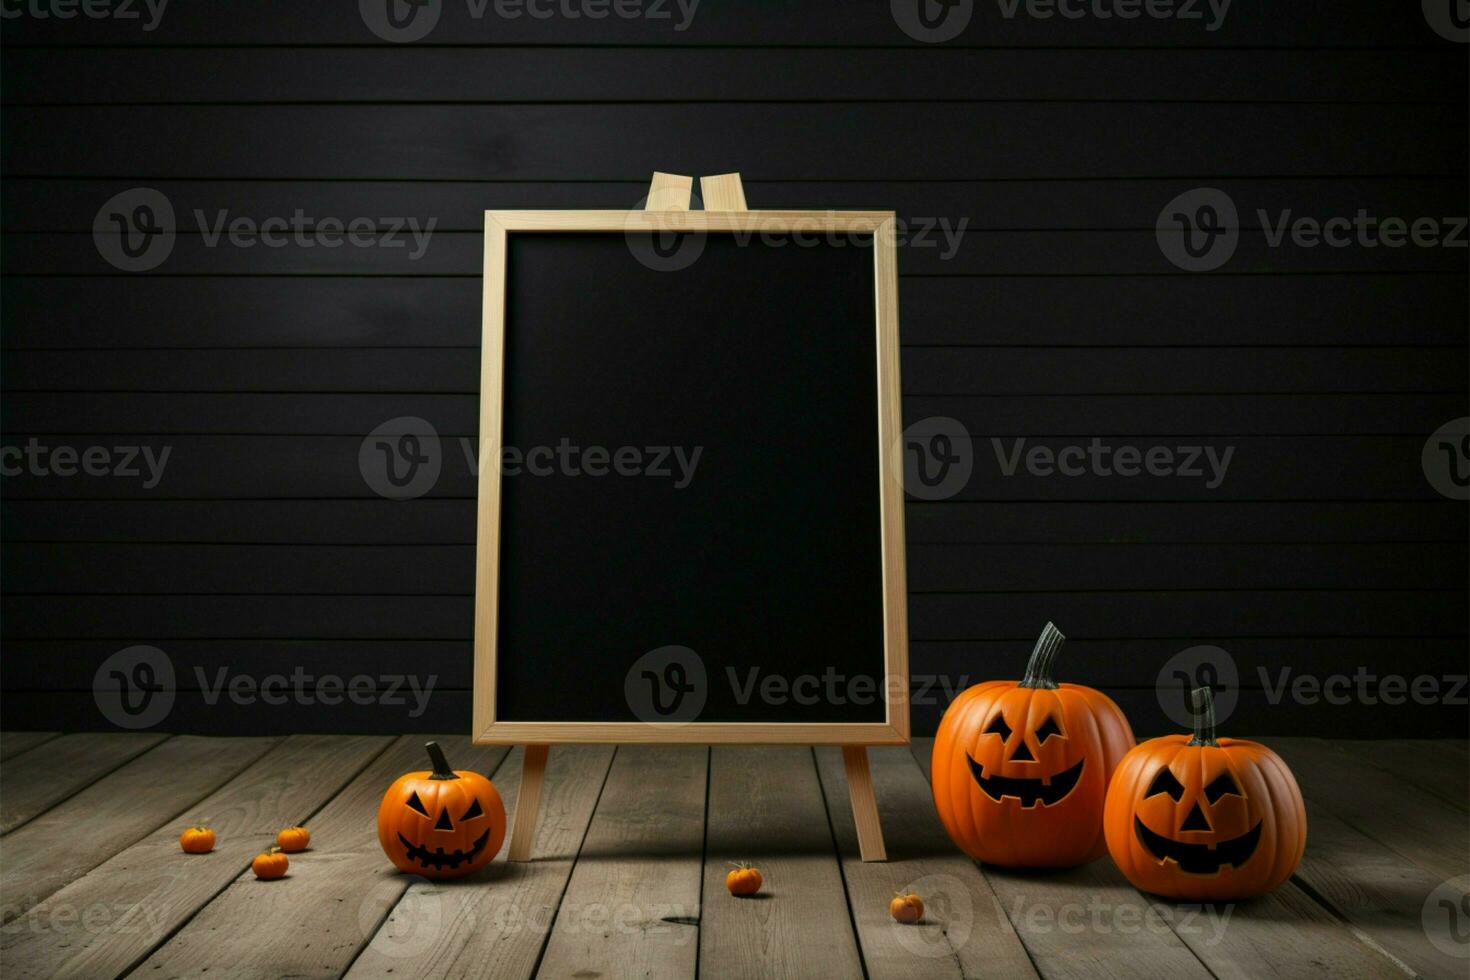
(1376, 891)
(14, 743)
(1437, 766)
(495, 926)
(766, 807)
(964, 932)
(1410, 821)
(108, 920)
(38, 781)
(91, 826)
(333, 896)
(632, 906)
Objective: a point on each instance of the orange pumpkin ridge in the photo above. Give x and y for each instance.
(1020, 769)
(1205, 818)
(442, 823)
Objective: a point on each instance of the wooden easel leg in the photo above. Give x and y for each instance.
(528, 800)
(864, 803)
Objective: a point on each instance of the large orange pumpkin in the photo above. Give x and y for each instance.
(1021, 768)
(441, 824)
(1205, 818)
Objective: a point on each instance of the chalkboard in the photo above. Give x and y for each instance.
(690, 500)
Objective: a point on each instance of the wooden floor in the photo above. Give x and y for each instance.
(631, 854)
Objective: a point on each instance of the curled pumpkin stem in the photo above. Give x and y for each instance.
(1043, 658)
(441, 764)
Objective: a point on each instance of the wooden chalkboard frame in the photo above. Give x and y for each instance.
(894, 730)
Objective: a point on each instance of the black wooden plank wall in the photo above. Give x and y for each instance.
(1033, 155)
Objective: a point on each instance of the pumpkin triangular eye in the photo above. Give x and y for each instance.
(1047, 730)
(1224, 784)
(414, 803)
(998, 727)
(473, 811)
(1165, 782)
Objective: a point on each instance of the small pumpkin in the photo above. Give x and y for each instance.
(907, 909)
(293, 839)
(442, 823)
(744, 880)
(197, 840)
(1020, 769)
(270, 865)
(1204, 818)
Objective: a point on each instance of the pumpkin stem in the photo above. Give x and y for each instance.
(1043, 656)
(441, 764)
(1204, 717)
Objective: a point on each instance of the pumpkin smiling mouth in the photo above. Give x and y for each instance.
(1029, 791)
(1200, 859)
(438, 858)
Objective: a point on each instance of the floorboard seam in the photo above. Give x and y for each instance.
(857, 938)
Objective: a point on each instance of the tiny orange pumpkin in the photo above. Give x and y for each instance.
(270, 865)
(906, 908)
(197, 840)
(744, 880)
(293, 839)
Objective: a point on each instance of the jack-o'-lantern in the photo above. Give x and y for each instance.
(1021, 768)
(441, 824)
(1205, 818)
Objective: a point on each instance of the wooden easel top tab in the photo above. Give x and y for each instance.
(672, 192)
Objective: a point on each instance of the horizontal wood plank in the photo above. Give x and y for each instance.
(347, 312)
(1310, 23)
(529, 142)
(451, 521)
(446, 570)
(566, 74)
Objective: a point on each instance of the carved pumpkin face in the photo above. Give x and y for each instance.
(1204, 818)
(1020, 768)
(441, 824)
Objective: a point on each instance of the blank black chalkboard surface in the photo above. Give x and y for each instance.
(690, 487)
